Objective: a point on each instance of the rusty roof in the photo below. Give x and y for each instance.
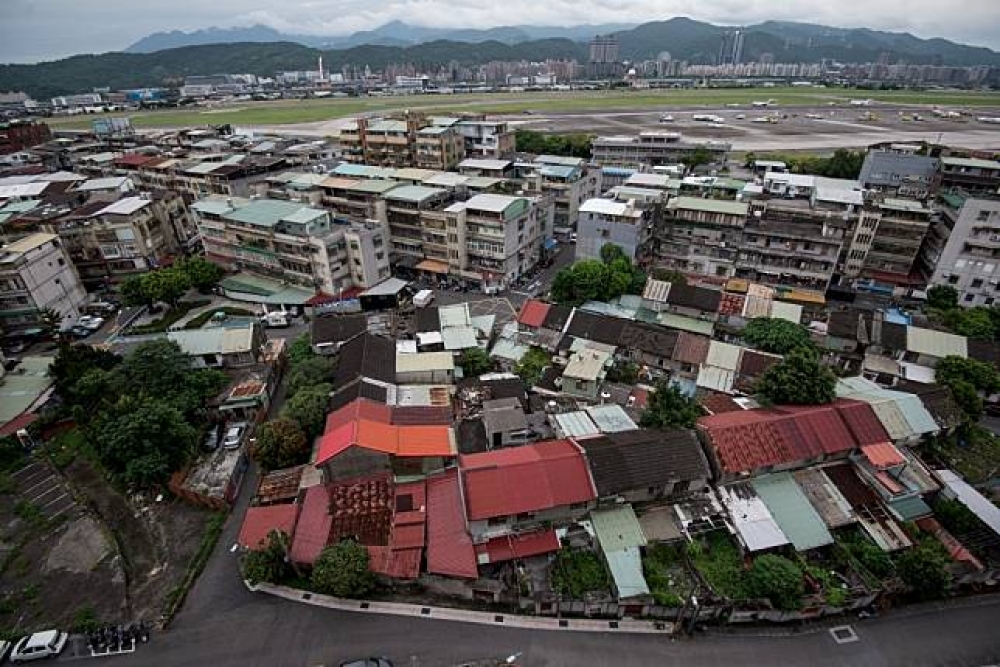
(691, 348)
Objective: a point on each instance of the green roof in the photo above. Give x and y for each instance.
(709, 205)
(617, 528)
(265, 290)
(373, 186)
(263, 212)
(909, 509)
(971, 163)
(792, 511)
(953, 200)
(415, 194)
(687, 324)
(729, 183)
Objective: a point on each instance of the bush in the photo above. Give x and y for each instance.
(308, 407)
(281, 443)
(923, 569)
(577, 572)
(342, 570)
(201, 320)
(170, 318)
(777, 579)
(85, 620)
(268, 563)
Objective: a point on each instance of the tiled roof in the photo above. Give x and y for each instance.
(260, 521)
(533, 313)
(633, 460)
(312, 533)
(893, 336)
(510, 547)
(754, 363)
(395, 563)
(367, 424)
(369, 356)
(984, 350)
(691, 348)
(599, 328)
(525, 479)
(650, 339)
(428, 319)
(731, 304)
(937, 400)
(556, 317)
(716, 403)
(337, 328)
(882, 455)
(449, 547)
(753, 439)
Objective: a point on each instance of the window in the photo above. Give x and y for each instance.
(969, 297)
(952, 280)
(977, 283)
(982, 216)
(988, 301)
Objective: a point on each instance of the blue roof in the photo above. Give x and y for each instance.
(896, 316)
(550, 244)
(617, 171)
(558, 171)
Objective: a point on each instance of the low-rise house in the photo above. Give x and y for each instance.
(505, 423)
(903, 415)
(647, 464)
(232, 345)
(366, 356)
(522, 489)
(621, 537)
(792, 511)
(585, 372)
(329, 332)
(425, 368)
(648, 345)
(750, 442)
(750, 519)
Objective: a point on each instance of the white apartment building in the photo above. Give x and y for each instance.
(569, 180)
(35, 275)
(969, 237)
(605, 221)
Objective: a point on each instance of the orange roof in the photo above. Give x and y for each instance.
(883, 455)
(424, 441)
(533, 313)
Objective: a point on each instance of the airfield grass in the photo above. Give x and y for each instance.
(305, 111)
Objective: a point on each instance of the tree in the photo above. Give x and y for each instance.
(777, 579)
(300, 350)
(201, 273)
(267, 562)
(134, 292)
(975, 323)
(96, 389)
(532, 365)
(475, 361)
(590, 280)
(698, 157)
(563, 288)
(800, 379)
(967, 399)
(74, 361)
(923, 569)
(776, 335)
(142, 441)
(308, 407)
(967, 379)
(670, 276)
(160, 370)
(50, 320)
(611, 252)
(281, 443)
(310, 372)
(342, 570)
(166, 285)
(942, 297)
(669, 408)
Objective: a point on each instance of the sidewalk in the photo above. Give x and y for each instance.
(623, 626)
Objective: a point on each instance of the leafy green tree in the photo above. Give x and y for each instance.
(166, 285)
(532, 364)
(201, 274)
(800, 379)
(142, 441)
(776, 335)
(74, 361)
(669, 408)
(611, 252)
(95, 390)
(308, 407)
(777, 579)
(475, 361)
(698, 157)
(133, 291)
(300, 350)
(160, 370)
(342, 570)
(280, 443)
(942, 297)
(563, 287)
(670, 276)
(971, 322)
(981, 375)
(624, 372)
(590, 278)
(50, 320)
(967, 399)
(924, 569)
(310, 372)
(268, 562)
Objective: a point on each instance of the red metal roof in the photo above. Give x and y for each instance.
(312, 533)
(717, 403)
(23, 420)
(319, 298)
(862, 421)
(395, 563)
(260, 521)
(883, 455)
(533, 313)
(509, 547)
(525, 479)
(133, 160)
(753, 439)
(449, 547)
(731, 304)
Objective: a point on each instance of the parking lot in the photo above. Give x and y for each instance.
(41, 486)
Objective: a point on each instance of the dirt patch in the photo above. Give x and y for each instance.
(156, 539)
(80, 548)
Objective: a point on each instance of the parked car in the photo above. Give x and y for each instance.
(4, 648)
(211, 442)
(90, 322)
(47, 644)
(234, 435)
(368, 662)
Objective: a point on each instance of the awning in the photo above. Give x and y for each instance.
(511, 547)
(883, 455)
(433, 266)
(550, 244)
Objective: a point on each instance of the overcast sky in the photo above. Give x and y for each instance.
(32, 30)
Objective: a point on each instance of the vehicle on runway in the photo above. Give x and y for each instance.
(666, 118)
(707, 118)
(368, 662)
(989, 120)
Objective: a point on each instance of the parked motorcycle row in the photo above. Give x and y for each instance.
(116, 639)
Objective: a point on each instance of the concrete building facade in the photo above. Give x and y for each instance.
(36, 275)
(970, 254)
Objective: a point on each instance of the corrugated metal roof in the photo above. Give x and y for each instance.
(617, 528)
(216, 340)
(757, 528)
(455, 315)
(959, 489)
(611, 418)
(902, 414)
(414, 193)
(716, 379)
(825, 497)
(656, 290)
(424, 361)
(576, 424)
(459, 338)
(792, 511)
(724, 355)
(708, 205)
(935, 343)
(782, 310)
(683, 323)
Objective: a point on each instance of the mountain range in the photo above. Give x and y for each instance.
(394, 33)
(684, 38)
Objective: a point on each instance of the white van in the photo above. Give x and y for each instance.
(423, 298)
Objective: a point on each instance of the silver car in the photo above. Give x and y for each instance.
(40, 645)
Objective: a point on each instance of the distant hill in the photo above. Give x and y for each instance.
(685, 39)
(394, 33)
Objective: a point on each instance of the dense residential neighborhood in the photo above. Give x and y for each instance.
(646, 383)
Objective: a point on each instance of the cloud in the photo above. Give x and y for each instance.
(32, 29)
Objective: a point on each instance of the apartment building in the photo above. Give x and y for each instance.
(494, 239)
(966, 247)
(293, 243)
(384, 142)
(896, 238)
(211, 174)
(653, 148)
(970, 175)
(701, 235)
(109, 241)
(439, 147)
(569, 180)
(899, 171)
(490, 139)
(36, 275)
(416, 227)
(605, 221)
